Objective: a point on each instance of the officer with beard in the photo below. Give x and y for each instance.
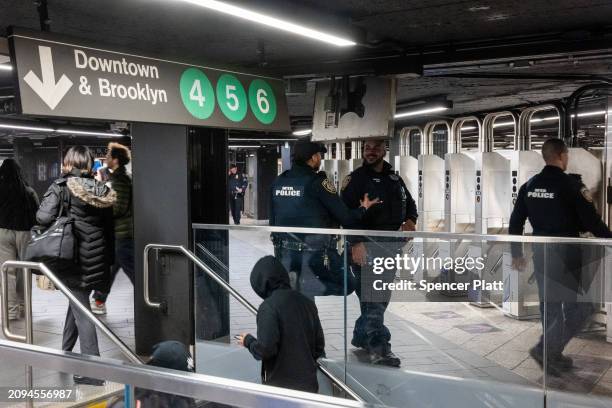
(396, 211)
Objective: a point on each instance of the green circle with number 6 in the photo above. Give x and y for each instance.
(262, 101)
(197, 93)
(231, 97)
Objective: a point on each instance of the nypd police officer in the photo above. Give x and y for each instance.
(305, 197)
(558, 205)
(397, 210)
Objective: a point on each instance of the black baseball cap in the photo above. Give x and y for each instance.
(304, 149)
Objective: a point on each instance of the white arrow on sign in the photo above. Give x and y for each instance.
(49, 91)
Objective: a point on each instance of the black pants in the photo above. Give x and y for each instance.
(77, 325)
(370, 331)
(124, 257)
(563, 314)
(236, 203)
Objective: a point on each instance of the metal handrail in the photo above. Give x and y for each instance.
(198, 386)
(181, 249)
(241, 299)
(74, 302)
(407, 234)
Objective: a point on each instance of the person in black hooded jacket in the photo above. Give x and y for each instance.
(289, 334)
(90, 204)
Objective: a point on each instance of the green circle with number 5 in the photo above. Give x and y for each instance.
(231, 97)
(197, 93)
(262, 101)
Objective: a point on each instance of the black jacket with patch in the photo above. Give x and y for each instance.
(397, 205)
(289, 334)
(557, 204)
(90, 204)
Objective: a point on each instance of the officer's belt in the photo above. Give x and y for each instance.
(298, 246)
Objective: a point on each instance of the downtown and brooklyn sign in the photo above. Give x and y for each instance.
(64, 78)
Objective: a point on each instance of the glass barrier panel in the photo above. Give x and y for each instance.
(574, 289)
(407, 315)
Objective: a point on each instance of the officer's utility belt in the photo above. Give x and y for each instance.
(301, 246)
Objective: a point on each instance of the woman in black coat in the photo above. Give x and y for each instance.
(18, 204)
(90, 204)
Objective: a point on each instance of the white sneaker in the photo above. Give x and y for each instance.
(97, 308)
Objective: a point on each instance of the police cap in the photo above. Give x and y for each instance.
(304, 149)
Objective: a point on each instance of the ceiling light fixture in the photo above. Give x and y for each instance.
(272, 22)
(4, 67)
(421, 112)
(303, 132)
(86, 132)
(33, 128)
(51, 130)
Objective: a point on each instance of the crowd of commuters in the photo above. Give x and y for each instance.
(101, 218)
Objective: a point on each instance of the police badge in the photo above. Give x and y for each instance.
(329, 186)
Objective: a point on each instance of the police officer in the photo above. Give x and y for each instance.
(397, 210)
(237, 185)
(559, 205)
(304, 197)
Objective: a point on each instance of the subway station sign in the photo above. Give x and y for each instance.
(62, 78)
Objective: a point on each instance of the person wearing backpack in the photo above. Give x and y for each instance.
(90, 205)
(18, 204)
(117, 157)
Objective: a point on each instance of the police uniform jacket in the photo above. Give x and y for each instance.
(557, 204)
(397, 205)
(302, 197)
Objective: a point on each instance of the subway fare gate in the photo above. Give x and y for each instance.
(179, 115)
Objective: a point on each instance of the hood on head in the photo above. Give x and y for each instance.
(92, 192)
(268, 275)
(171, 354)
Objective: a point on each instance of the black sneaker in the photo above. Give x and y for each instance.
(356, 343)
(388, 359)
(79, 379)
(563, 362)
(552, 367)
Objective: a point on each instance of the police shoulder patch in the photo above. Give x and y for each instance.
(394, 177)
(329, 186)
(586, 194)
(345, 182)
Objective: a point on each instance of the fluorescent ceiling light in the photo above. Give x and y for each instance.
(302, 132)
(594, 113)
(469, 128)
(19, 127)
(5, 67)
(84, 132)
(421, 111)
(272, 22)
(51, 130)
(244, 147)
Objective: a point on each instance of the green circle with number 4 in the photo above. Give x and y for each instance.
(231, 97)
(197, 93)
(262, 101)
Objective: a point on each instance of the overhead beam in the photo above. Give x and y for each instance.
(440, 58)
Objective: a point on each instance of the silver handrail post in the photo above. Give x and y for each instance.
(74, 302)
(242, 300)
